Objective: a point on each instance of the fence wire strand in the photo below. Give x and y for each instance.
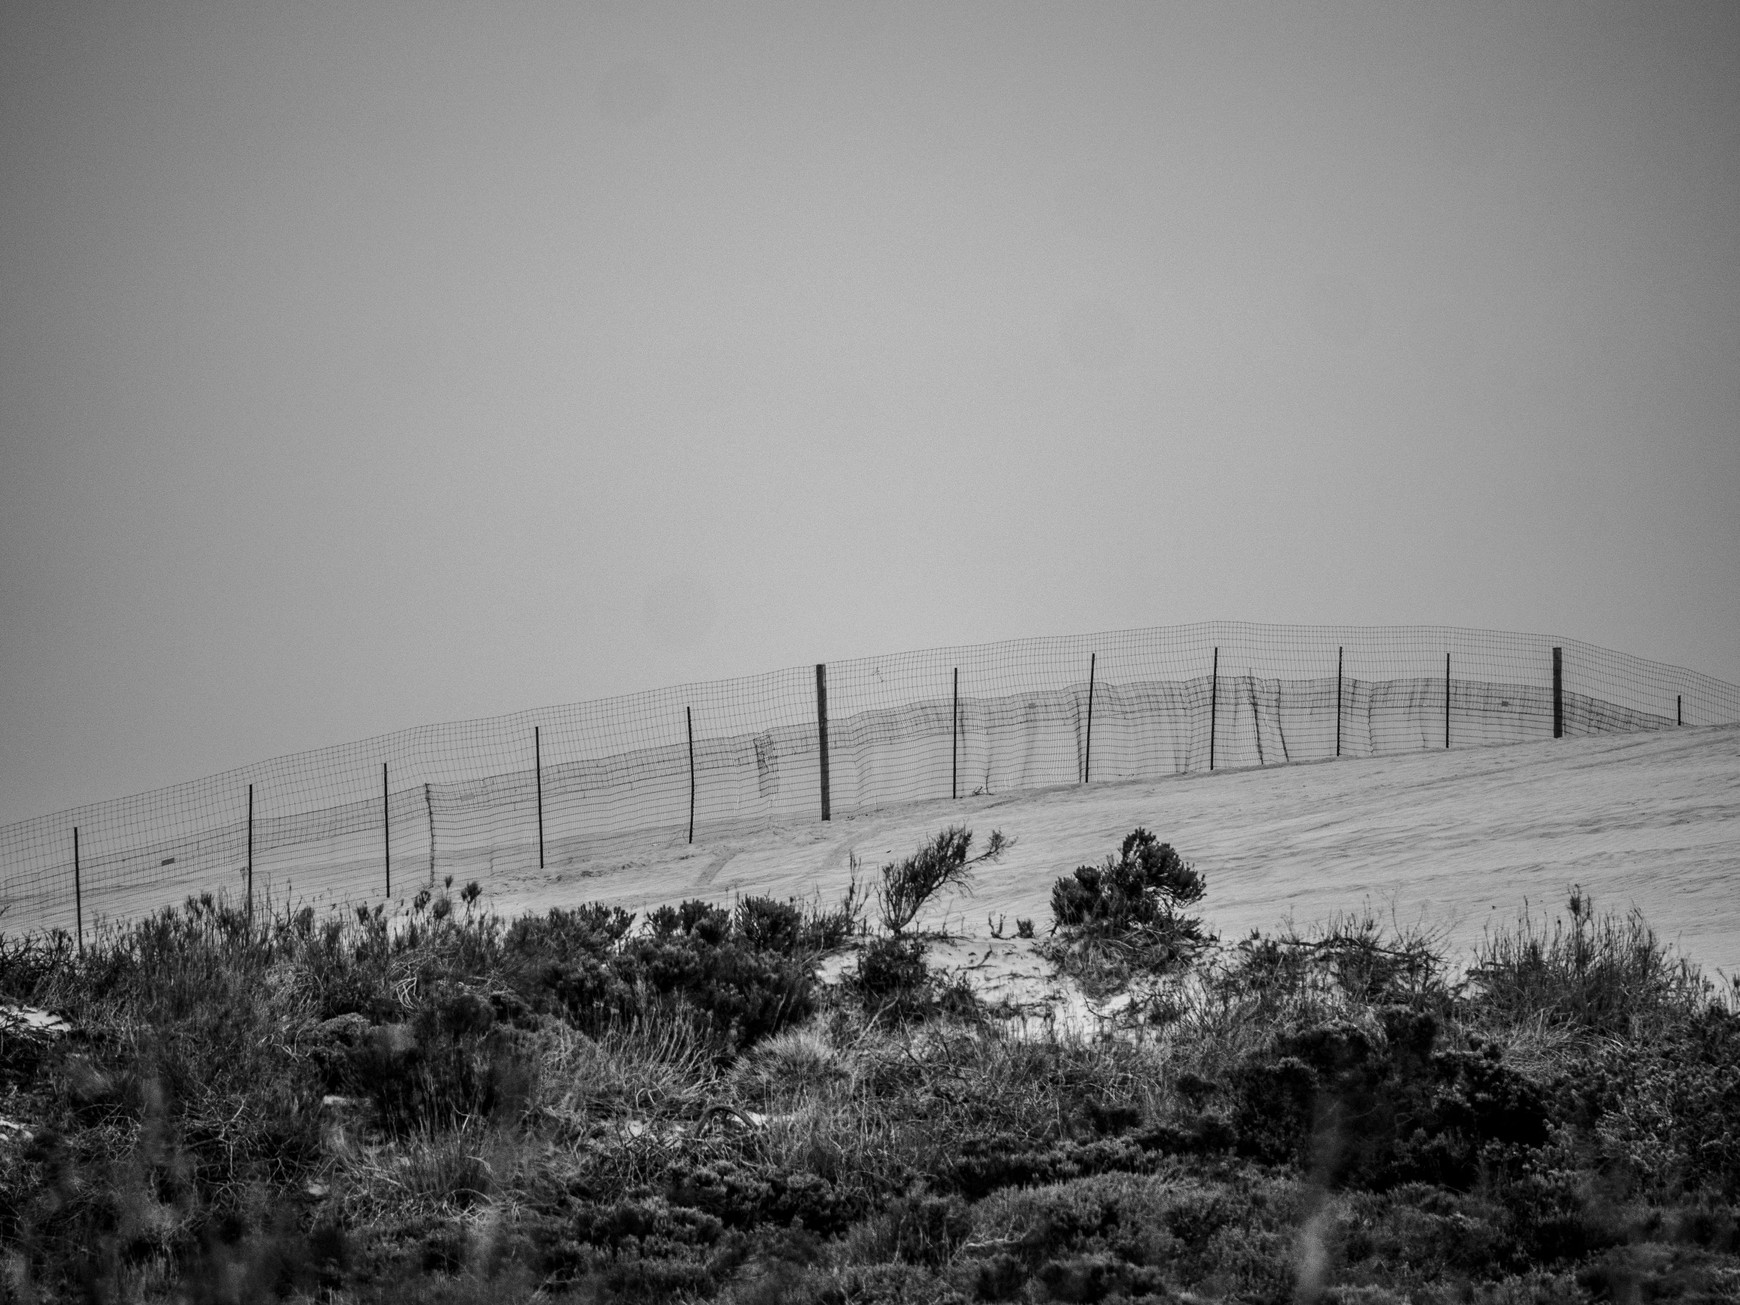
(463, 799)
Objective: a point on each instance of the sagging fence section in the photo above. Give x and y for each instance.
(556, 786)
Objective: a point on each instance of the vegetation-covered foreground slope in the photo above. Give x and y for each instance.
(580, 1105)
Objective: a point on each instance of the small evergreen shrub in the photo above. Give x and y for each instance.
(890, 968)
(1143, 887)
(1113, 921)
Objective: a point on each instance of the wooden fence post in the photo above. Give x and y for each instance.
(1338, 655)
(822, 730)
(689, 716)
(1558, 693)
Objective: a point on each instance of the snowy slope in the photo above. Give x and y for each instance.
(1454, 840)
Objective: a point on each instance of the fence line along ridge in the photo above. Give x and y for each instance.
(555, 786)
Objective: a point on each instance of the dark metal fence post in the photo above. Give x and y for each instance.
(1088, 751)
(250, 853)
(538, 770)
(955, 740)
(689, 716)
(429, 806)
(1213, 704)
(1679, 709)
(78, 893)
(387, 829)
(822, 729)
(1338, 655)
(1446, 700)
(1558, 693)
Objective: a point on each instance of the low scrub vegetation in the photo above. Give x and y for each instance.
(444, 1106)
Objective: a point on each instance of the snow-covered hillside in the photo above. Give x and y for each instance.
(1453, 840)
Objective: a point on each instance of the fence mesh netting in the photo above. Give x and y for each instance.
(559, 785)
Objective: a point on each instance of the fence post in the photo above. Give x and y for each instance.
(78, 893)
(250, 854)
(538, 771)
(1213, 704)
(822, 729)
(1558, 693)
(386, 829)
(1338, 655)
(689, 716)
(429, 806)
(1256, 720)
(1446, 700)
(1087, 757)
(1679, 709)
(955, 740)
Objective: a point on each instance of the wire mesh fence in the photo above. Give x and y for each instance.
(557, 786)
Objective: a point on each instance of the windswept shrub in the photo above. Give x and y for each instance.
(941, 863)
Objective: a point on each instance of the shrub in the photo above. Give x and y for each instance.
(1599, 974)
(769, 926)
(1351, 961)
(592, 930)
(889, 968)
(941, 863)
(1663, 1112)
(1377, 1107)
(1141, 888)
(741, 994)
(1124, 917)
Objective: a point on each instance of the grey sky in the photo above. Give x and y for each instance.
(369, 365)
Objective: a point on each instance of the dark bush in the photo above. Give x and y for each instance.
(1125, 916)
(742, 978)
(741, 994)
(1377, 1111)
(592, 930)
(889, 968)
(769, 926)
(1142, 887)
(1664, 1110)
(695, 919)
(744, 1196)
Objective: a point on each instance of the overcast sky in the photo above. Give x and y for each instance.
(367, 365)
